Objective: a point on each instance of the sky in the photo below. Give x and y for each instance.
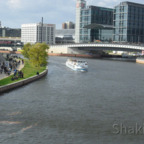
(13, 13)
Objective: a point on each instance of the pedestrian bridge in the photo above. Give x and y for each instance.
(96, 46)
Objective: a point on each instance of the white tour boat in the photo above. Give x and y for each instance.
(77, 65)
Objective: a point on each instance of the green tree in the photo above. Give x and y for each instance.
(26, 50)
(38, 55)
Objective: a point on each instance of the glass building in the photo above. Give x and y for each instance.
(100, 32)
(86, 17)
(129, 22)
(80, 5)
(10, 32)
(65, 36)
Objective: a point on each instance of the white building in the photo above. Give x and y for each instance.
(33, 33)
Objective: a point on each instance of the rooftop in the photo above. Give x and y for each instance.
(131, 3)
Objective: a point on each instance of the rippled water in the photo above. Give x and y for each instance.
(68, 107)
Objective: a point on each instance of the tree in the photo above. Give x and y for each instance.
(38, 55)
(26, 50)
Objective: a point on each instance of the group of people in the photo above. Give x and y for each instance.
(4, 69)
(10, 65)
(17, 74)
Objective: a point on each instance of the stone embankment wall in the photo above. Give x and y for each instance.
(75, 55)
(141, 61)
(22, 82)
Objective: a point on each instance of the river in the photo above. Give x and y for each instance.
(102, 106)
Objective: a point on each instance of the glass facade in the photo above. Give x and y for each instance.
(128, 22)
(95, 15)
(101, 34)
(85, 20)
(80, 5)
(10, 32)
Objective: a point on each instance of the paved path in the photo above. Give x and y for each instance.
(4, 75)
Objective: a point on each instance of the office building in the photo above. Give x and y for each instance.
(68, 25)
(10, 32)
(64, 26)
(81, 4)
(33, 33)
(90, 20)
(65, 36)
(129, 22)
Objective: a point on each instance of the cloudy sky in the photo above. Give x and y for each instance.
(13, 13)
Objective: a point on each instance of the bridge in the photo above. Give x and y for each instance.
(87, 47)
(83, 48)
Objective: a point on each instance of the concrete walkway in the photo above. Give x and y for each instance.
(5, 75)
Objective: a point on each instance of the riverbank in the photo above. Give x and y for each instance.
(120, 59)
(10, 52)
(23, 82)
(75, 55)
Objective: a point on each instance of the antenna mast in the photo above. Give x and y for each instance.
(42, 30)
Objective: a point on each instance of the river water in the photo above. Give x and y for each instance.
(102, 106)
